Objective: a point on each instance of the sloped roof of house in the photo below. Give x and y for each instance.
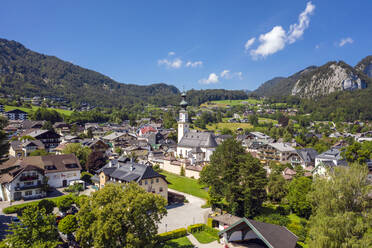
(307, 154)
(198, 139)
(331, 154)
(282, 147)
(130, 171)
(273, 236)
(113, 136)
(16, 144)
(16, 111)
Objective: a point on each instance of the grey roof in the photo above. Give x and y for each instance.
(331, 154)
(272, 235)
(128, 172)
(198, 139)
(307, 154)
(113, 136)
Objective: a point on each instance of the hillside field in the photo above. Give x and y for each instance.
(34, 108)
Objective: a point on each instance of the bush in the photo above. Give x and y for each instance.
(75, 188)
(299, 230)
(48, 205)
(196, 228)
(68, 224)
(178, 233)
(210, 222)
(86, 177)
(274, 218)
(182, 172)
(65, 203)
(283, 209)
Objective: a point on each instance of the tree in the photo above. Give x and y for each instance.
(68, 225)
(235, 177)
(65, 203)
(253, 119)
(342, 209)
(297, 193)
(39, 153)
(48, 126)
(36, 230)
(277, 187)
(86, 177)
(120, 216)
(81, 152)
(358, 152)
(95, 161)
(47, 205)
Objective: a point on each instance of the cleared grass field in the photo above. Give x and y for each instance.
(224, 103)
(231, 126)
(34, 108)
(186, 185)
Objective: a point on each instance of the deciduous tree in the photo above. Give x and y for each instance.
(120, 216)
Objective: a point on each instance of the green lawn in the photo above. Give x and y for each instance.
(183, 242)
(61, 111)
(231, 126)
(186, 185)
(224, 103)
(204, 237)
(262, 120)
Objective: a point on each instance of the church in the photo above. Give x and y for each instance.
(195, 146)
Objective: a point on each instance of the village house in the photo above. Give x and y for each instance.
(23, 148)
(61, 170)
(119, 139)
(279, 152)
(120, 171)
(328, 160)
(49, 138)
(16, 114)
(250, 233)
(304, 157)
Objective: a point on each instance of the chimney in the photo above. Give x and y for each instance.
(131, 167)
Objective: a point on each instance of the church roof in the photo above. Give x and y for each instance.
(198, 139)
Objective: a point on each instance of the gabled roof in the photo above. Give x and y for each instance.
(273, 236)
(307, 154)
(198, 139)
(113, 136)
(16, 111)
(129, 172)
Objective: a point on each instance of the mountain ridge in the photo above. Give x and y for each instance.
(316, 81)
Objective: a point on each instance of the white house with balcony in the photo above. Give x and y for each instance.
(24, 182)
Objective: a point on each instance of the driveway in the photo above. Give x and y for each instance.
(184, 215)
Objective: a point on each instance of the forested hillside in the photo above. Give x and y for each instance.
(27, 73)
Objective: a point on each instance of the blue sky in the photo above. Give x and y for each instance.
(192, 44)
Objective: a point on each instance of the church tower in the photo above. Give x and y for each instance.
(183, 125)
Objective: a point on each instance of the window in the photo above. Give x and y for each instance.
(152, 181)
(145, 182)
(29, 183)
(28, 193)
(157, 180)
(161, 189)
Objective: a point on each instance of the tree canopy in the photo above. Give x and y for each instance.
(235, 177)
(342, 209)
(120, 216)
(35, 230)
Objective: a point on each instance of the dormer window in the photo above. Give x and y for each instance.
(50, 167)
(71, 166)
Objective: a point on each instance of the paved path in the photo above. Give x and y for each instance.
(184, 215)
(196, 243)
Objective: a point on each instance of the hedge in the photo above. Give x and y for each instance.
(19, 207)
(202, 227)
(196, 228)
(177, 233)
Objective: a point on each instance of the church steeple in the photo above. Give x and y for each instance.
(183, 125)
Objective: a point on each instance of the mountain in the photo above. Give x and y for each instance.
(365, 66)
(320, 81)
(27, 73)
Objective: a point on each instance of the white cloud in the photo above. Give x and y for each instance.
(317, 46)
(171, 53)
(194, 64)
(276, 39)
(271, 42)
(225, 74)
(249, 43)
(175, 63)
(228, 75)
(297, 30)
(345, 41)
(212, 79)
